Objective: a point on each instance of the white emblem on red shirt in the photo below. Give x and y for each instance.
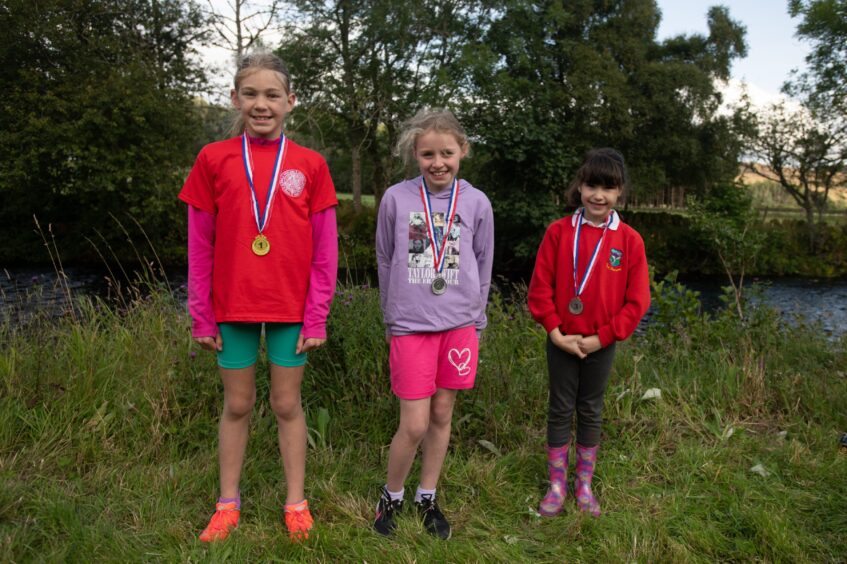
(292, 182)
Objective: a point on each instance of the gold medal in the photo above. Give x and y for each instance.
(261, 245)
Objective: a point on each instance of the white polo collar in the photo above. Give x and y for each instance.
(614, 220)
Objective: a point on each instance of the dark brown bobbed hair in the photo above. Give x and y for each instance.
(600, 167)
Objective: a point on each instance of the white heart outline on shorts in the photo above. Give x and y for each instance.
(460, 364)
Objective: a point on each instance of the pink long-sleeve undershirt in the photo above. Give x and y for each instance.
(201, 254)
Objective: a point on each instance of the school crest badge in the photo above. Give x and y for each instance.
(292, 182)
(615, 260)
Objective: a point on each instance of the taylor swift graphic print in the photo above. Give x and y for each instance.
(421, 264)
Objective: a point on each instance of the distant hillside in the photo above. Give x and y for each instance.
(768, 193)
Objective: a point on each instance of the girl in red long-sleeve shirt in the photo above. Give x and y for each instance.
(262, 257)
(589, 289)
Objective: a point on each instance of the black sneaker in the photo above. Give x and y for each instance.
(433, 519)
(386, 511)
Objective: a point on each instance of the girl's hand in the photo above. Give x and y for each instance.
(568, 343)
(310, 344)
(590, 344)
(215, 343)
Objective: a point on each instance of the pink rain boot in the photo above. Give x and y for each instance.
(586, 458)
(557, 468)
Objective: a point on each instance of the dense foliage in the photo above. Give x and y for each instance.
(824, 24)
(362, 67)
(97, 119)
(551, 79)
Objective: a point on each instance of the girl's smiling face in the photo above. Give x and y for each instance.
(264, 102)
(598, 201)
(438, 155)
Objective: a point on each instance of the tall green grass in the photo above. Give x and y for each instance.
(108, 433)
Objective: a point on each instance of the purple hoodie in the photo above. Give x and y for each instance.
(404, 256)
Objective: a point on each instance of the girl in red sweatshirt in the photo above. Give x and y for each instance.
(589, 289)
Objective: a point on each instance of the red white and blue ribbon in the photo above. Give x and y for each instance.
(262, 218)
(578, 287)
(438, 254)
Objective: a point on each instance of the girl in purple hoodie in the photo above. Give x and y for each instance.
(434, 247)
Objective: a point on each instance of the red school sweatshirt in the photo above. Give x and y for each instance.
(617, 294)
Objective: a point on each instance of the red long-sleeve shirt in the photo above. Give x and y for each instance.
(617, 294)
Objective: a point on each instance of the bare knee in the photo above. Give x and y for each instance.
(413, 431)
(441, 414)
(239, 405)
(286, 406)
(441, 408)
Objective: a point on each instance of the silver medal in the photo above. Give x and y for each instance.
(575, 306)
(438, 286)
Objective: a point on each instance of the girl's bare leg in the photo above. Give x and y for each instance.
(414, 421)
(291, 427)
(239, 399)
(437, 437)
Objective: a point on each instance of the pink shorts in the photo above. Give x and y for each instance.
(422, 362)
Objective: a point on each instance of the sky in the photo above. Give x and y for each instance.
(772, 48)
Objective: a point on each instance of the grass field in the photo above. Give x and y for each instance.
(108, 432)
(367, 199)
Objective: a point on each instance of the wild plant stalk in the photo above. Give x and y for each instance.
(56, 261)
(112, 278)
(153, 250)
(147, 274)
(126, 276)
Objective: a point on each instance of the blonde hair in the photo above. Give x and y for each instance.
(439, 120)
(248, 65)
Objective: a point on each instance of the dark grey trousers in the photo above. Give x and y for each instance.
(581, 384)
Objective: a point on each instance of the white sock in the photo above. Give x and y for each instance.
(396, 495)
(421, 492)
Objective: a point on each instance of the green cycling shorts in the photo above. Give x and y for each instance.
(241, 344)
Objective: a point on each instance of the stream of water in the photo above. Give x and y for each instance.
(25, 291)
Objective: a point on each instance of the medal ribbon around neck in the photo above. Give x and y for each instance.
(247, 154)
(578, 288)
(438, 254)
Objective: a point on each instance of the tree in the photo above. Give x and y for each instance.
(361, 66)
(804, 148)
(240, 26)
(551, 79)
(97, 117)
(726, 220)
(824, 23)
(803, 151)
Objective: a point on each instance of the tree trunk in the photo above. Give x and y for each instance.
(356, 181)
(379, 173)
(811, 227)
(381, 170)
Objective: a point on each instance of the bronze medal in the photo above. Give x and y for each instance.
(261, 245)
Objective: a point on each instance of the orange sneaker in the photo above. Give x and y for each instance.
(222, 523)
(298, 520)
